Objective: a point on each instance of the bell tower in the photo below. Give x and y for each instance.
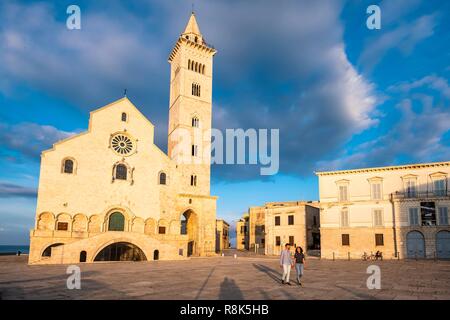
(190, 108)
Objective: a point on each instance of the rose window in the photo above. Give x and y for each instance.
(122, 144)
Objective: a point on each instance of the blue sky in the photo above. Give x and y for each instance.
(343, 96)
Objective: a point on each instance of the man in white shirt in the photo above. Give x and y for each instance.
(286, 264)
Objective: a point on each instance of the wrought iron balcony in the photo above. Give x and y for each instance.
(437, 194)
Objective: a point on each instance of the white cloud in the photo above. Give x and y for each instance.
(403, 38)
(278, 67)
(417, 135)
(30, 139)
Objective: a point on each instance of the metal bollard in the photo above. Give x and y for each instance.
(333, 256)
(348, 256)
(398, 255)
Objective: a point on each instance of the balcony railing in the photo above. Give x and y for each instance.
(421, 195)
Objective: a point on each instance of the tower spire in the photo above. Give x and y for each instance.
(192, 29)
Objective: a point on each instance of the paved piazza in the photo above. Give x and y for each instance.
(250, 277)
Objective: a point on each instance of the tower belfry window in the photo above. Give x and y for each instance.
(193, 180)
(124, 116)
(196, 89)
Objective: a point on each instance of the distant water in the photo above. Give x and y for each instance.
(23, 249)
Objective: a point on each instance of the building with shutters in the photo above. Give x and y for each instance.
(293, 222)
(111, 194)
(222, 235)
(401, 211)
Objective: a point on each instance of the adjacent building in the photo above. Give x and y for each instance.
(242, 233)
(401, 211)
(257, 231)
(222, 235)
(111, 194)
(294, 222)
(266, 229)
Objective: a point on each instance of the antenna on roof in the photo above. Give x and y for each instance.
(125, 92)
(192, 8)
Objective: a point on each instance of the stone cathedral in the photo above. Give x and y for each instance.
(110, 194)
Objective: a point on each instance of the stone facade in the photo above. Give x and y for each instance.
(295, 222)
(242, 233)
(222, 235)
(401, 211)
(256, 230)
(112, 185)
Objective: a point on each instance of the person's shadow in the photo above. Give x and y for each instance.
(272, 273)
(229, 290)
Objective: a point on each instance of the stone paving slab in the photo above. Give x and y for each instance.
(249, 278)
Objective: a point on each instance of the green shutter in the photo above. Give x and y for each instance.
(116, 222)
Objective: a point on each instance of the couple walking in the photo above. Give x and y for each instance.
(287, 263)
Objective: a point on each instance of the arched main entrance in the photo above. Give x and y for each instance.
(415, 245)
(121, 251)
(443, 244)
(116, 222)
(189, 227)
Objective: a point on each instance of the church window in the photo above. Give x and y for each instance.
(162, 230)
(124, 117)
(194, 150)
(196, 39)
(68, 166)
(162, 178)
(193, 180)
(189, 64)
(116, 222)
(196, 89)
(121, 172)
(203, 69)
(122, 144)
(195, 122)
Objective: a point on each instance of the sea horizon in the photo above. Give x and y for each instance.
(14, 248)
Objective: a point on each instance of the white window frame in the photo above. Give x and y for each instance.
(440, 192)
(407, 180)
(419, 222)
(374, 218)
(341, 218)
(380, 191)
(341, 199)
(439, 215)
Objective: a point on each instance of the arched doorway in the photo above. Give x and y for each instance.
(48, 251)
(415, 245)
(443, 244)
(189, 227)
(121, 251)
(116, 222)
(156, 255)
(83, 256)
